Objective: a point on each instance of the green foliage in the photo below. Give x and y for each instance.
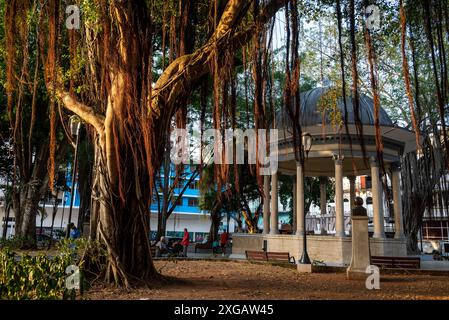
(311, 192)
(34, 277)
(91, 14)
(43, 276)
(328, 106)
(16, 242)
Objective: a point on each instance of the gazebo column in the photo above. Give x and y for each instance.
(339, 212)
(351, 191)
(266, 204)
(397, 200)
(295, 211)
(323, 200)
(274, 224)
(376, 190)
(299, 199)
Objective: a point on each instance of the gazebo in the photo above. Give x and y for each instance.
(333, 153)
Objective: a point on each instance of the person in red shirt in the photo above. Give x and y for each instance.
(185, 242)
(224, 237)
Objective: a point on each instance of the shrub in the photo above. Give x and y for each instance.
(41, 276)
(16, 242)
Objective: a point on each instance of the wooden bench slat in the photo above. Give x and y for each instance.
(256, 255)
(279, 256)
(396, 258)
(397, 262)
(269, 256)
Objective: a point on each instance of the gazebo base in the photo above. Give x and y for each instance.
(330, 250)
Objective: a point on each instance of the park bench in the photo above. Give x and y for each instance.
(203, 246)
(256, 255)
(280, 257)
(269, 256)
(396, 262)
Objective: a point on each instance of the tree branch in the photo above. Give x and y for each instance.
(187, 69)
(85, 112)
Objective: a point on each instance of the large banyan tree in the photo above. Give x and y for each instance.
(127, 111)
(106, 74)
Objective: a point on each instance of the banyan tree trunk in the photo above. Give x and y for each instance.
(161, 224)
(215, 225)
(26, 199)
(122, 223)
(85, 164)
(26, 205)
(412, 243)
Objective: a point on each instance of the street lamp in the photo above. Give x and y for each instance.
(75, 125)
(307, 145)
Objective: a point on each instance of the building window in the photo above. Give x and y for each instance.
(178, 183)
(179, 201)
(193, 185)
(193, 202)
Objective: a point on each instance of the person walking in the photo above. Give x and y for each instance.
(185, 242)
(224, 238)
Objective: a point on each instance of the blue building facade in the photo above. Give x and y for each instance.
(187, 213)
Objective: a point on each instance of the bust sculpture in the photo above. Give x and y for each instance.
(358, 210)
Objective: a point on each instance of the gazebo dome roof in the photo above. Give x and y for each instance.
(311, 110)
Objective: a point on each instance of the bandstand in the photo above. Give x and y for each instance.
(336, 154)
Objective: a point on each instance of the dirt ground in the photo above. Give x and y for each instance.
(244, 280)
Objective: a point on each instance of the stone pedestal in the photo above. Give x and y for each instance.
(304, 268)
(360, 259)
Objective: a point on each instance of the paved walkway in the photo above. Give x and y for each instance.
(427, 263)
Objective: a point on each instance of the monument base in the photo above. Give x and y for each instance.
(360, 249)
(304, 268)
(356, 274)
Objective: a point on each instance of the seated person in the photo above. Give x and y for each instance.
(161, 247)
(170, 245)
(177, 248)
(74, 232)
